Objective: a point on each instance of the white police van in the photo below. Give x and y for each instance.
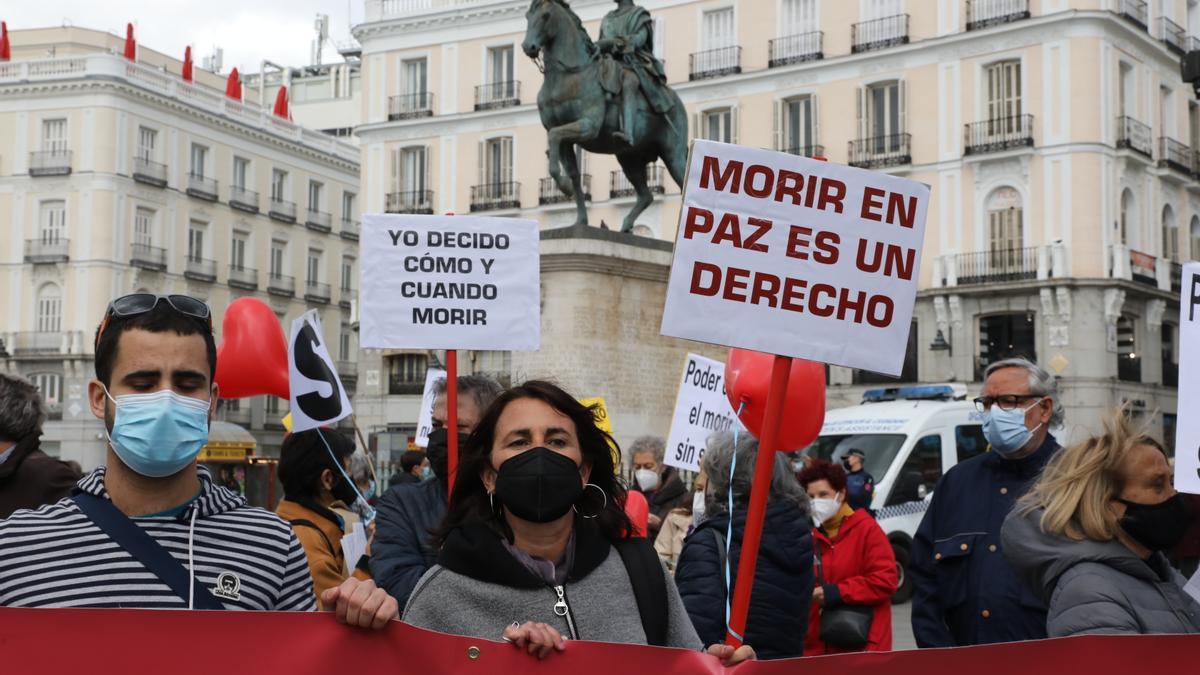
(911, 436)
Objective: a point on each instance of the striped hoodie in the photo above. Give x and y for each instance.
(247, 557)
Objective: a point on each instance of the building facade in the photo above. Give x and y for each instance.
(118, 177)
(1057, 136)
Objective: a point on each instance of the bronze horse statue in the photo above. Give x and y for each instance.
(576, 111)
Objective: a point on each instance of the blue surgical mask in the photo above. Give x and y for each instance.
(159, 434)
(427, 472)
(1005, 429)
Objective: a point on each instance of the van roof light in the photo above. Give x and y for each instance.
(925, 392)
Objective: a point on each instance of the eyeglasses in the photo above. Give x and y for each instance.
(1005, 402)
(140, 303)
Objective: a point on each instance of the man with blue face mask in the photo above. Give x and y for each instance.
(151, 529)
(965, 593)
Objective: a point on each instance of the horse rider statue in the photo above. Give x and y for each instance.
(627, 39)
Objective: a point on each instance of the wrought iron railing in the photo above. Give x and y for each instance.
(879, 33)
(715, 63)
(805, 150)
(47, 249)
(410, 106)
(350, 229)
(316, 291)
(1175, 155)
(410, 201)
(796, 49)
(319, 221)
(619, 185)
(202, 188)
(242, 199)
(498, 95)
(548, 192)
(148, 257)
(280, 284)
(50, 163)
(996, 266)
(243, 277)
(149, 172)
(37, 342)
(986, 13)
(494, 196)
(881, 151)
(200, 269)
(1173, 35)
(1134, 11)
(1134, 135)
(281, 210)
(998, 134)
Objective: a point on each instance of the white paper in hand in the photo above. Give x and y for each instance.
(354, 545)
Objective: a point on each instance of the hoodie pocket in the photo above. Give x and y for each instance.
(952, 560)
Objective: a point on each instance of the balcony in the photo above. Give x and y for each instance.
(987, 13)
(144, 256)
(796, 49)
(881, 151)
(283, 286)
(315, 291)
(239, 415)
(347, 295)
(548, 192)
(495, 196)
(400, 385)
(202, 188)
(1143, 268)
(805, 150)
(619, 185)
(1134, 11)
(997, 266)
(50, 163)
(242, 199)
(283, 211)
(498, 95)
(350, 229)
(38, 342)
(149, 172)
(410, 201)
(1173, 35)
(410, 106)
(48, 249)
(995, 135)
(319, 221)
(243, 277)
(347, 372)
(879, 34)
(715, 63)
(1175, 155)
(1135, 136)
(199, 269)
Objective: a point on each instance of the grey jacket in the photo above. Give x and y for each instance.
(478, 588)
(1097, 587)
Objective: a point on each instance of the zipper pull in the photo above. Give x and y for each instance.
(560, 607)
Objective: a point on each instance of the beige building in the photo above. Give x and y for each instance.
(1056, 134)
(118, 177)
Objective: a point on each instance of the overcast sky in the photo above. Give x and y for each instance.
(248, 30)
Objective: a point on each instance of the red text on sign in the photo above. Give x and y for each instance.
(826, 244)
(901, 209)
(763, 182)
(700, 221)
(896, 261)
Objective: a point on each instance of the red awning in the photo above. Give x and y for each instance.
(233, 87)
(281, 103)
(130, 43)
(187, 64)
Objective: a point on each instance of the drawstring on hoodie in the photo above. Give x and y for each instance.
(192, 559)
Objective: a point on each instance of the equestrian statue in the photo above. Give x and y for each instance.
(608, 97)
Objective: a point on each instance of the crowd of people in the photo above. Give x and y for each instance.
(533, 545)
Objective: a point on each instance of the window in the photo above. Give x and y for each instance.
(195, 252)
(147, 144)
(1193, 125)
(347, 274)
(348, 199)
(416, 77)
(49, 309)
(879, 9)
(344, 343)
(52, 221)
(881, 115)
(497, 161)
(969, 441)
(1170, 355)
(273, 407)
(1126, 93)
(279, 182)
(1006, 233)
(1166, 112)
(1170, 235)
(718, 31)
(143, 227)
(796, 125)
(1129, 359)
(1128, 222)
(907, 374)
(1002, 336)
(54, 136)
(241, 169)
(797, 17)
(1169, 423)
(500, 70)
(314, 266)
(920, 472)
(237, 251)
(315, 190)
(1003, 95)
(50, 386)
(199, 160)
(412, 171)
(278, 249)
(406, 373)
(719, 125)
(1194, 232)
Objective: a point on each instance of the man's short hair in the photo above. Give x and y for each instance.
(482, 387)
(654, 445)
(162, 319)
(411, 460)
(856, 453)
(22, 412)
(1041, 383)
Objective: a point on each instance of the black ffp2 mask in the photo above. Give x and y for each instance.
(1158, 527)
(539, 485)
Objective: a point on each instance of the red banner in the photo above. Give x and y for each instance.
(118, 642)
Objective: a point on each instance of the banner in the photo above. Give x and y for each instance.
(701, 409)
(318, 397)
(55, 641)
(1187, 430)
(792, 256)
(461, 282)
(425, 416)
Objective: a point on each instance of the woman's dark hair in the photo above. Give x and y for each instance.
(303, 457)
(470, 504)
(411, 459)
(826, 471)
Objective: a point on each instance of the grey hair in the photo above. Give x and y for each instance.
(1041, 383)
(652, 444)
(718, 456)
(22, 412)
(484, 388)
(360, 469)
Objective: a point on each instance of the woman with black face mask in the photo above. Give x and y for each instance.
(1089, 538)
(536, 547)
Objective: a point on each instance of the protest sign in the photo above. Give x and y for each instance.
(1187, 431)
(317, 395)
(701, 409)
(425, 416)
(796, 257)
(600, 409)
(461, 282)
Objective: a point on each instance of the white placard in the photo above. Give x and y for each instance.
(354, 545)
(797, 257)
(701, 409)
(317, 395)
(449, 282)
(1187, 430)
(425, 417)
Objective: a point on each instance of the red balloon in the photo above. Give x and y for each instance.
(747, 380)
(638, 510)
(252, 359)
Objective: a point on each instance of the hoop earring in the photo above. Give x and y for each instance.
(603, 495)
(492, 502)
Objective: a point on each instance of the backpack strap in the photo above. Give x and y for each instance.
(304, 522)
(722, 554)
(649, 587)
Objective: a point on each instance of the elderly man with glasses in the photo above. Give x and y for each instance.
(964, 591)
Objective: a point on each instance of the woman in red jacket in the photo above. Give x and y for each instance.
(856, 564)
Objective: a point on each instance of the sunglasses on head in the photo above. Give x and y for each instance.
(140, 303)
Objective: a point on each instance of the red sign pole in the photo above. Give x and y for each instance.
(451, 414)
(781, 370)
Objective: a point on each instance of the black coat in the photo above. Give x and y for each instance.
(30, 478)
(783, 580)
(402, 551)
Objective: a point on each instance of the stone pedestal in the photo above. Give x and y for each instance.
(602, 303)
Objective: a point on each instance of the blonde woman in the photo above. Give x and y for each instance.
(1089, 537)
